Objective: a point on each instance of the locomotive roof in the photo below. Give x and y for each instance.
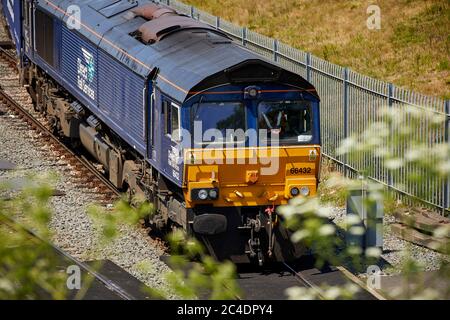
(183, 60)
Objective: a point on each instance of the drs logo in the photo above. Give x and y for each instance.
(86, 73)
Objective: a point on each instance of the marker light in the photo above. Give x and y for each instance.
(252, 92)
(213, 194)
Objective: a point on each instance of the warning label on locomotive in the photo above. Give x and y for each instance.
(86, 73)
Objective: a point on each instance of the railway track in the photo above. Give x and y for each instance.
(273, 283)
(67, 260)
(7, 54)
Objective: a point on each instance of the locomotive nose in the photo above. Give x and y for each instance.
(235, 179)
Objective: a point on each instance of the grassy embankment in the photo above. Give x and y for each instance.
(411, 50)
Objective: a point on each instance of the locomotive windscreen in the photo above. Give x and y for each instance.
(290, 120)
(220, 120)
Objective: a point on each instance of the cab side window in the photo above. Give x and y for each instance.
(172, 125)
(175, 122)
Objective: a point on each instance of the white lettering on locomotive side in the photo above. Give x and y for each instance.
(86, 73)
(174, 157)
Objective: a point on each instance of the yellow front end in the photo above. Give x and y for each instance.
(245, 177)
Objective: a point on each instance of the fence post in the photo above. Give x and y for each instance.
(308, 67)
(390, 104)
(345, 101)
(275, 50)
(217, 23)
(244, 35)
(447, 140)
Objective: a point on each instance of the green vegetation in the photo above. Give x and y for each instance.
(30, 269)
(333, 189)
(194, 272)
(412, 48)
(420, 163)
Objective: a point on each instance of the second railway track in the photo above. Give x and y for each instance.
(273, 283)
(108, 287)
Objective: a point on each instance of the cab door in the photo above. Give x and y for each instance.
(170, 139)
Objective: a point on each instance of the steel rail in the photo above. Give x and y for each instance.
(305, 281)
(13, 223)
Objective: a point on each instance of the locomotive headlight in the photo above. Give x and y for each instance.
(295, 192)
(213, 194)
(312, 155)
(304, 191)
(202, 194)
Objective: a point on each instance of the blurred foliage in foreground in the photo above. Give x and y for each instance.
(194, 273)
(31, 269)
(421, 162)
(28, 268)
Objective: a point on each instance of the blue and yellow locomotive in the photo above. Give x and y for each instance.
(211, 133)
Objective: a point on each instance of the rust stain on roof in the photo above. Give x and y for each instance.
(162, 21)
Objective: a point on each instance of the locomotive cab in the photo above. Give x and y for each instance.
(250, 147)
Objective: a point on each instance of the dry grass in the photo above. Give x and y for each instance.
(412, 49)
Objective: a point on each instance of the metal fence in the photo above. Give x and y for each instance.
(350, 101)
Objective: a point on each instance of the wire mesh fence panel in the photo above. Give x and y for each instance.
(205, 17)
(180, 7)
(425, 116)
(231, 29)
(366, 98)
(259, 43)
(326, 77)
(292, 59)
